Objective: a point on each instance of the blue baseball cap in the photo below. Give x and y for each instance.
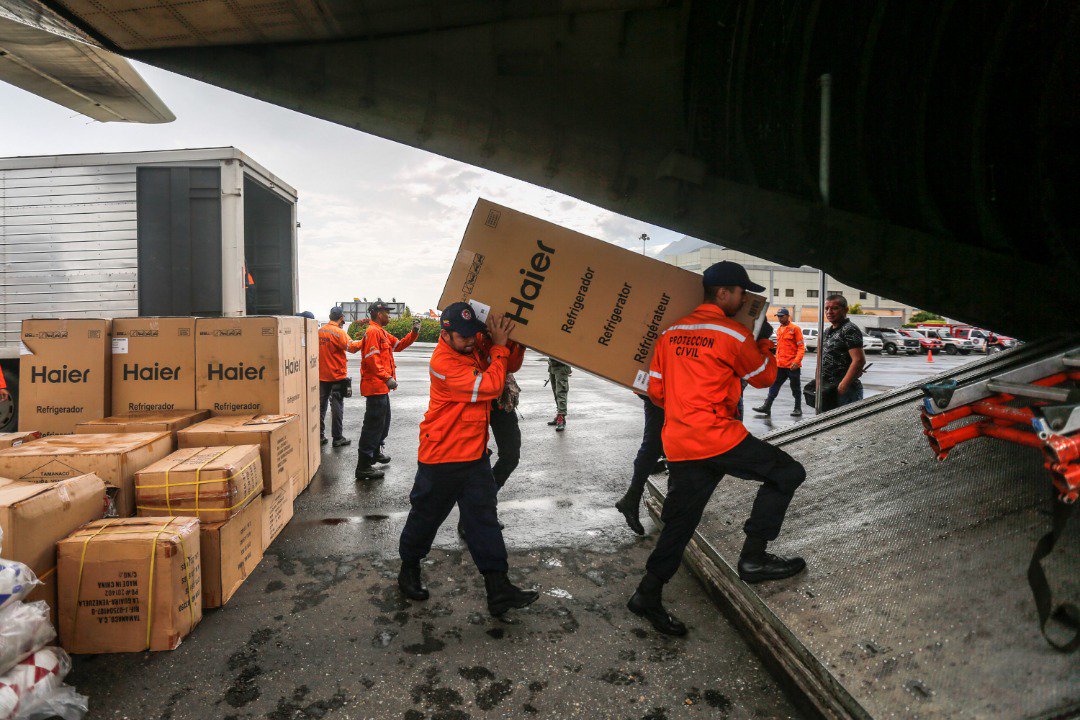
(459, 317)
(728, 273)
(782, 311)
(336, 313)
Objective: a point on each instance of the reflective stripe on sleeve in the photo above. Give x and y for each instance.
(373, 352)
(764, 364)
(441, 377)
(476, 387)
(708, 326)
(658, 376)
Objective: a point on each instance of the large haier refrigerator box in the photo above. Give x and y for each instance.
(153, 364)
(64, 374)
(589, 303)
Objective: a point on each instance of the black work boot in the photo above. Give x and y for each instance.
(381, 458)
(560, 422)
(555, 421)
(342, 442)
(628, 506)
(502, 595)
(765, 409)
(646, 603)
(410, 582)
(756, 565)
(364, 471)
(797, 412)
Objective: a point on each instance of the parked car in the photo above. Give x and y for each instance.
(952, 345)
(926, 344)
(893, 341)
(872, 343)
(991, 342)
(809, 335)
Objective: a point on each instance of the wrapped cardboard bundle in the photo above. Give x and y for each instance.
(129, 584)
(278, 437)
(31, 680)
(24, 628)
(210, 483)
(16, 582)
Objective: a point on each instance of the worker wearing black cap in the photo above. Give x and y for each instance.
(454, 465)
(696, 377)
(378, 376)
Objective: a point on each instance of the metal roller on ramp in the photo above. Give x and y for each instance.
(916, 602)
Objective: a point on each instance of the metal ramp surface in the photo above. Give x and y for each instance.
(915, 603)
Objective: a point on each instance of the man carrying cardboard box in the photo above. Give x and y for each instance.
(695, 376)
(453, 463)
(378, 376)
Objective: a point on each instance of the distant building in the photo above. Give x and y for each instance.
(793, 288)
(358, 309)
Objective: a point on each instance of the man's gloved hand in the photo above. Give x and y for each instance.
(416, 325)
(392, 384)
(766, 331)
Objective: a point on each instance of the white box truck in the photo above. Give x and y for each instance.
(171, 232)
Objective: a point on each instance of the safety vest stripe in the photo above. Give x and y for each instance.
(706, 326)
(441, 377)
(764, 364)
(476, 387)
(373, 352)
(658, 376)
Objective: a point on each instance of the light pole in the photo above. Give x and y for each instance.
(644, 239)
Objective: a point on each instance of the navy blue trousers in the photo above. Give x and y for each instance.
(652, 447)
(436, 489)
(691, 484)
(376, 427)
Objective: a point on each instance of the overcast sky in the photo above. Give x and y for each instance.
(377, 218)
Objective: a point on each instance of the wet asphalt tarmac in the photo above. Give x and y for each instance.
(319, 629)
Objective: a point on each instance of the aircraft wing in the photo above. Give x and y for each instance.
(85, 78)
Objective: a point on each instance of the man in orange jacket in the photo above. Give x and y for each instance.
(789, 356)
(334, 342)
(454, 467)
(695, 377)
(378, 376)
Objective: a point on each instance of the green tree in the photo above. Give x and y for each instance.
(924, 316)
(407, 313)
(856, 309)
(357, 328)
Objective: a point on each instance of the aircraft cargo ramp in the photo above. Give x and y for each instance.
(915, 603)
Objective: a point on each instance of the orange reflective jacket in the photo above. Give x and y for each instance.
(789, 346)
(455, 426)
(334, 342)
(695, 376)
(378, 364)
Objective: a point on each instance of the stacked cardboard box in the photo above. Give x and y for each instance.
(169, 421)
(35, 516)
(115, 458)
(153, 364)
(230, 551)
(284, 467)
(210, 483)
(311, 410)
(64, 374)
(129, 584)
(15, 439)
(277, 436)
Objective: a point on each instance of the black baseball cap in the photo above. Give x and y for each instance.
(782, 311)
(728, 273)
(461, 318)
(336, 313)
(306, 314)
(378, 307)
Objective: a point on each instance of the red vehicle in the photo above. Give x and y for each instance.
(925, 344)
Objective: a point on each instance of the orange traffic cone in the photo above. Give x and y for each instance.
(929, 355)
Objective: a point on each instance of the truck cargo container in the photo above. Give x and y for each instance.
(205, 232)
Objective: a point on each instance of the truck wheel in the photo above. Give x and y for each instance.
(9, 409)
(891, 349)
(950, 349)
(965, 352)
(993, 349)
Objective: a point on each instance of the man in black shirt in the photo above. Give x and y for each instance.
(842, 357)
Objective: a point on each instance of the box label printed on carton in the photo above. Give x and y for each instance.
(119, 346)
(482, 311)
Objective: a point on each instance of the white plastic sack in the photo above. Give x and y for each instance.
(64, 703)
(16, 582)
(33, 679)
(24, 628)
